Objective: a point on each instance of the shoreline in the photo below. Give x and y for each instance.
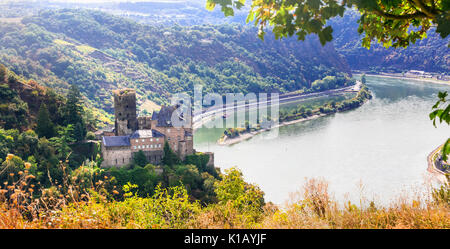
(434, 81)
(432, 167)
(248, 135)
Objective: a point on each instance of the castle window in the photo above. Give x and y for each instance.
(157, 139)
(159, 145)
(116, 161)
(151, 139)
(151, 146)
(139, 146)
(143, 140)
(168, 130)
(134, 147)
(137, 140)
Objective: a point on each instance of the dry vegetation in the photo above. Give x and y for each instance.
(240, 205)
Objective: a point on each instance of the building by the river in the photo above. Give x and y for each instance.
(148, 134)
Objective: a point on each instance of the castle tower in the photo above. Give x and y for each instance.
(125, 112)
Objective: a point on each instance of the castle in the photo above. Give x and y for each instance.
(148, 134)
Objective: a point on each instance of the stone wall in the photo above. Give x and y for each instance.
(125, 111)
(116, 156)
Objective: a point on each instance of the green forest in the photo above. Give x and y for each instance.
(430, 54)
(99, 52)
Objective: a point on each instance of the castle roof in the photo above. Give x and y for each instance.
(146, 134)
(164, 116)
(116, 141)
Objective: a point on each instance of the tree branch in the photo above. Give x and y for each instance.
(424, 8)
(401, 17)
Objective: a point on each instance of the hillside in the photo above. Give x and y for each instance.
(20, 101)
(100, 52)
(430, 54)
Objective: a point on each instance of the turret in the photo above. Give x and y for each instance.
(125, 112)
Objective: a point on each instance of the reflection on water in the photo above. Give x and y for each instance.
(383, 144)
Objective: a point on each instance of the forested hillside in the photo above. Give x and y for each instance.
(430, 54)
(100, 52)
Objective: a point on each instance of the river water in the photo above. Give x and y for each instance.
(379, 149)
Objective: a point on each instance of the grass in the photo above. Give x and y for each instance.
(150, 106)
(62, 42)
(69, 205)
(85, 49)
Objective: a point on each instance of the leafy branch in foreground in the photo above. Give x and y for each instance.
(396, 23)
(443, 114)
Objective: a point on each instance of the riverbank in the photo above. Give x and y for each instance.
(432, 164)
(399, 76)
(245, 136)
(362, 97)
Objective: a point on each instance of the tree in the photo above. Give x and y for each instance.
(233, 191)
(3, 73)
(73, 113)
(387, 21)
(62, 141)
(363, 78)
(140, 158)
(442, 113)
(45, 127)
(170, 158)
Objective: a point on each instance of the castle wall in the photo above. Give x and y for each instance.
(173, 136)
(153, 148)
(116, 156)
(145, 123)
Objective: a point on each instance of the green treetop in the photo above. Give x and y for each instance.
(45, 127)
(396, 23)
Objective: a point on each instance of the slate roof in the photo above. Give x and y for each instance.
(116, 141)
(146, 134)
(164, 116)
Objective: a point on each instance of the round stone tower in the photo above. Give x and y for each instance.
(125, 112)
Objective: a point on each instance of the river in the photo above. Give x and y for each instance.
(378, 151)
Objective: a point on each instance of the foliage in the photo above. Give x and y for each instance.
(73, 113)
(388, 22)
(145, 178)
(233, 192)
(426, 54)
(62, 141)
(81, 200)
(157, 62)
(45, 127)
(442, 113)
(169, 157)
(140, 159)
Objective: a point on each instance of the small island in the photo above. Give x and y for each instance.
(299, 114)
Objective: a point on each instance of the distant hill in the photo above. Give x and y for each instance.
(430, 54)
(100, 52)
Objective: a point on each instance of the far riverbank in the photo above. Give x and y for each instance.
(362, 97)
(399, 76)
(245, 136)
